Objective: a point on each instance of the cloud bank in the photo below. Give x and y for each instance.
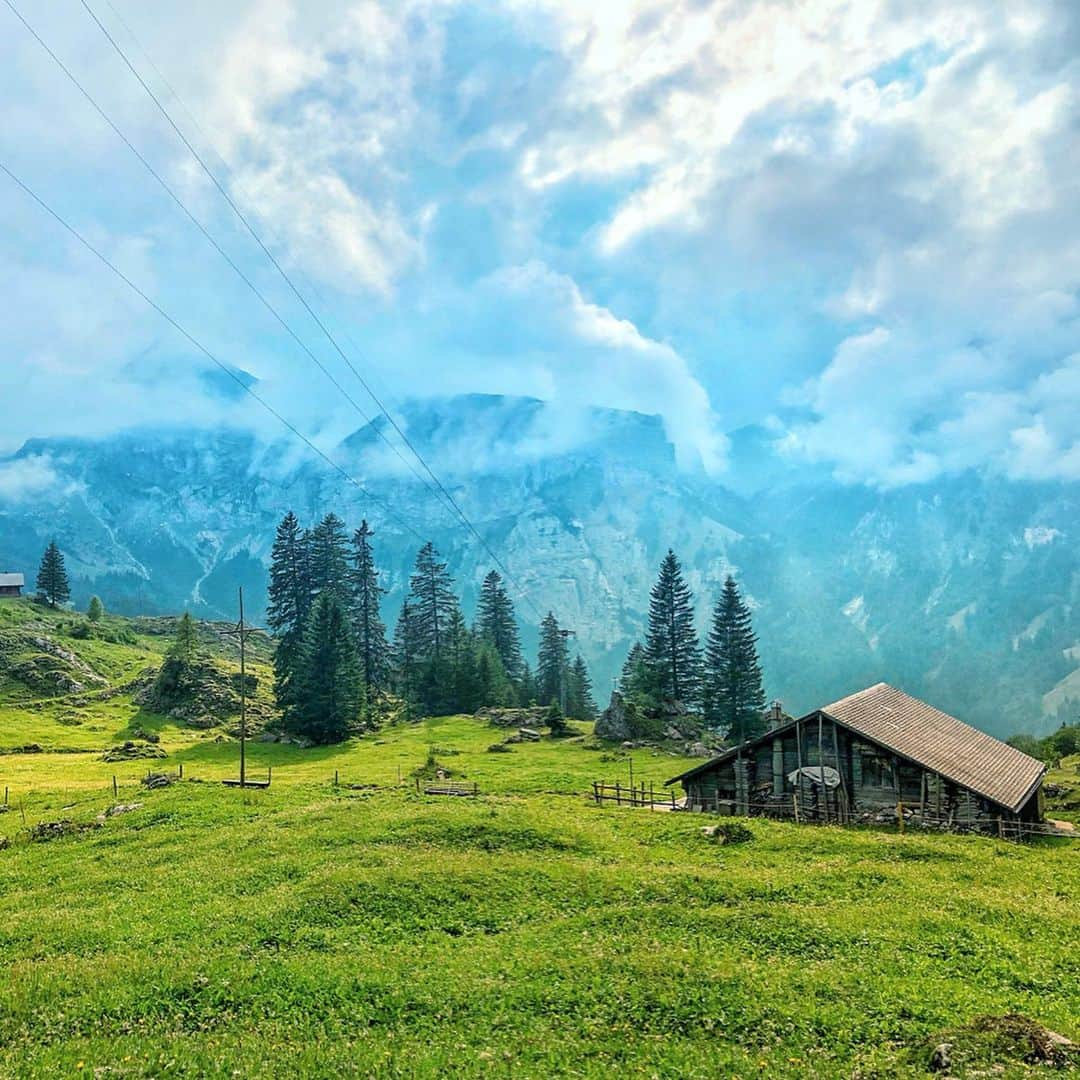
(858, 220)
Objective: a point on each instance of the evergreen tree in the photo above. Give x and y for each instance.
(671, 644)
(432, 601)
(405, 656)
(526, 686)
(177, 678)
(369, 629)
(330, 689)
(462, 674)
(734, 698)
(496, 623)
(185, 644)
(636, 682)
(52, 580)
(95, 610)
(289, 604)
(580, 703)
(328, 560)
(556, 722)
(551, 662)
(495, 686)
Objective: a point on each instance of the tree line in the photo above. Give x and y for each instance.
(337, 670)
(721, 679)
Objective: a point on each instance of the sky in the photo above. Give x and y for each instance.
(854, 223)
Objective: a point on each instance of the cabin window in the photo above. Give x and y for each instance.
(876, 771)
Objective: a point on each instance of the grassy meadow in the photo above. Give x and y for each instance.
(370, 930)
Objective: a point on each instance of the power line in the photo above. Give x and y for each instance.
(216, 246)
(56, 216)
(314, 315)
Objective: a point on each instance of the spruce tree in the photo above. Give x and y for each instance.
(330, 690)
(175, 681)
(52, 580)
(328, 560)
(496, 623)
(580, 703)
(289, 605)
(671, 644)
(95, 610)
(370, 631)
(551, 662)
(526, 686)
(734, 697)
(432, 601)
(462, 675)
(404, 655)
(185, 644)
(636, 681)
(494, 686)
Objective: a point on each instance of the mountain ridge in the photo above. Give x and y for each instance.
(963, 591)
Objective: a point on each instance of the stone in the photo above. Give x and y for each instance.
(941, 1058)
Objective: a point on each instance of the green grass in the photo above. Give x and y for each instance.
(310, 930)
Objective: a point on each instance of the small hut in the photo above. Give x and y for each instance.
(11, 584)
(872, 756)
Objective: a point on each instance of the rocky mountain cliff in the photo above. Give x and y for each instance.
(962, 591)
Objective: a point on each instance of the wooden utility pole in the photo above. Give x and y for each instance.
(242, 631)
(562, 673)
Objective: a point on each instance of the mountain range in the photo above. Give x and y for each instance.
(961, 591)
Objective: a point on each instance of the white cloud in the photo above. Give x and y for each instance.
(529, 330)
(24, 478)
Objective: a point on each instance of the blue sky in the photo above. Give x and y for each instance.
(856, 222)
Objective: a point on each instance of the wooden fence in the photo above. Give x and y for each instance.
(636, 795)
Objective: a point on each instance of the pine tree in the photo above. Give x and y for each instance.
(734, 697)
(580, 703)
(404, 655)
(95, 610)
(328, 560)
(370, 631)
(330, 690)
(671, 644)
(496, 622)
(52, 580)
(289, 604)
(432, 601)
(551, 662)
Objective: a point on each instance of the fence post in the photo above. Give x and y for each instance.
(181, 770)
(618, 794)
(1001, 828)
(795, 804)
(335, 778)
(900, 817)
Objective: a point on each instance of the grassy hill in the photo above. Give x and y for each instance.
(367, 929)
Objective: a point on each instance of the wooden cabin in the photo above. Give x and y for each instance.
(11, 584)
(872, 756)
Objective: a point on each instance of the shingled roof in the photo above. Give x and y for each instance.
(941, 743)
(930, 738)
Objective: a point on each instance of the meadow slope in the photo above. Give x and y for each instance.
(368, 929)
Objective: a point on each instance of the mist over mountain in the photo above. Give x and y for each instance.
(961, 590)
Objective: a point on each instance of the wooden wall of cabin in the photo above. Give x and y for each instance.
(874, 781)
